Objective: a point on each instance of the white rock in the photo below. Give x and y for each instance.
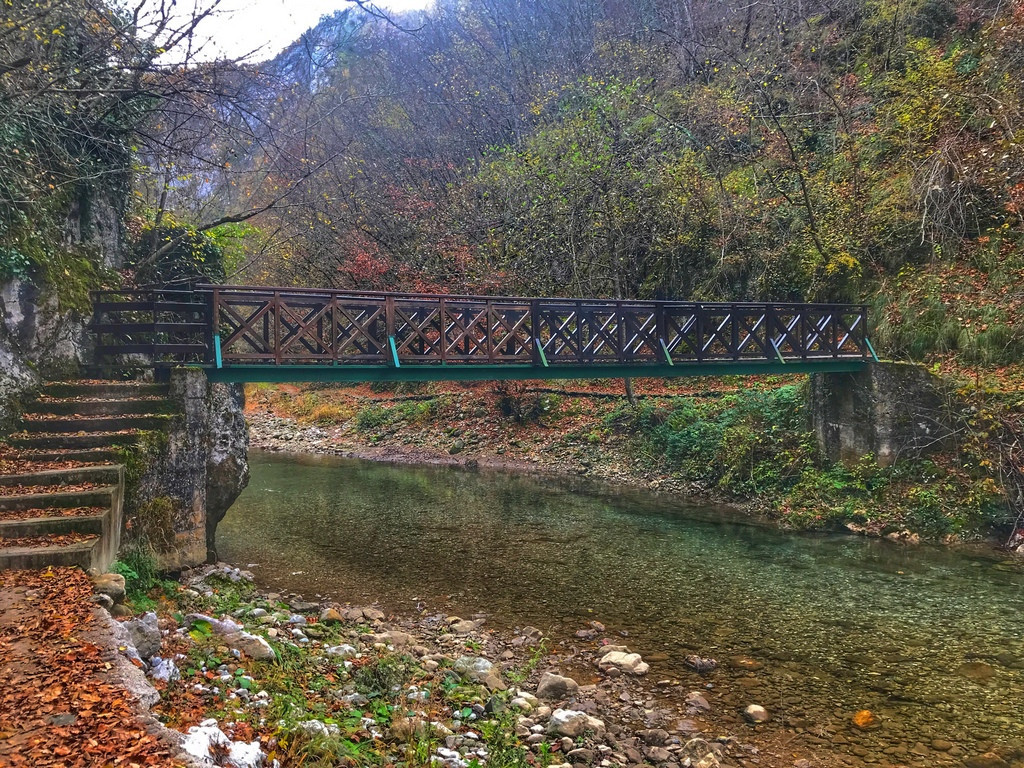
(755, 713)
(164, 669)
(625, 662)
(572, 723)
(318, 729)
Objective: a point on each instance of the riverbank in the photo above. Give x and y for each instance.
(254, 678)
(744, 442)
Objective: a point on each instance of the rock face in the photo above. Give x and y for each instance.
(192, 473)
(37, 339)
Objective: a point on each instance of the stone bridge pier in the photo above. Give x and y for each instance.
(888, 410)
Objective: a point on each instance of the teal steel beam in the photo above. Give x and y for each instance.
(664, 349)
(540, 352)
(394, 353)
(871, 349)
(474, 372)
(216, 350)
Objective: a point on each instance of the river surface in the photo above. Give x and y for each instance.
(929, 639)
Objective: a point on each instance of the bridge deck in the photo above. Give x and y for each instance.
(292, 334)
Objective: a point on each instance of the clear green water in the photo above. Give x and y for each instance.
(840, 623)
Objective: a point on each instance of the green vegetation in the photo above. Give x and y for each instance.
(755, 445)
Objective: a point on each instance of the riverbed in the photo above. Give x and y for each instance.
(813, 627)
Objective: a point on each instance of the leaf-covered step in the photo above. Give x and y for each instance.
(53, 522)
(47, 423)
(104, 389)
(89, 406)
(55, 441)
(36, 552)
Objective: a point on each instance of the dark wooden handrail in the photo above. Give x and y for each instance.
(225, 325)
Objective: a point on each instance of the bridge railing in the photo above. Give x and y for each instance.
(297, 326)
(149, 327)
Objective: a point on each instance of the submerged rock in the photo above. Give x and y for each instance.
(700, 664)
(866, 720)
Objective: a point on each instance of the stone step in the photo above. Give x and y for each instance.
(41, 554)
(34, 423)
(84, 456)
(109, 390)
(100, 406)
(52, 442)
(95, 497)
(59, 477)
(49, 522)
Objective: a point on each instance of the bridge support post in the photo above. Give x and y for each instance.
(888, 410)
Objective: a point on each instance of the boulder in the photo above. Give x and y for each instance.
(110, 584)
(234, 636)
(464, 626)
(572, 723)
(555, 687)
(631, 663)
(145, 634)
(393, 637)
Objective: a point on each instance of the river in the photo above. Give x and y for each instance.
(813, 627)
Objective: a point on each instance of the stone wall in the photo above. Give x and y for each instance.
(182, 481)
(890, 410)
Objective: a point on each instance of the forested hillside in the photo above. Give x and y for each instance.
(866, 151)
(853, 150)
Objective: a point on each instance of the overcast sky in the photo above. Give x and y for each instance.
(242, 26)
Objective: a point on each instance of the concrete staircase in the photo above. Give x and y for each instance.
(61, 488)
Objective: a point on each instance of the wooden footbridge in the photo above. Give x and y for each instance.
(248, 334)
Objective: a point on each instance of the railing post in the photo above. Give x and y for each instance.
(535, 331)
(276, 317)
(213, 322)
(734, 323)
(802, 325)
(620, 328)
(698, 310)
(389, 324)
(865, 347)
(442, 324)
(769, 331)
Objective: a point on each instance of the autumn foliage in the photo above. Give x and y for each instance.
(58, 703)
